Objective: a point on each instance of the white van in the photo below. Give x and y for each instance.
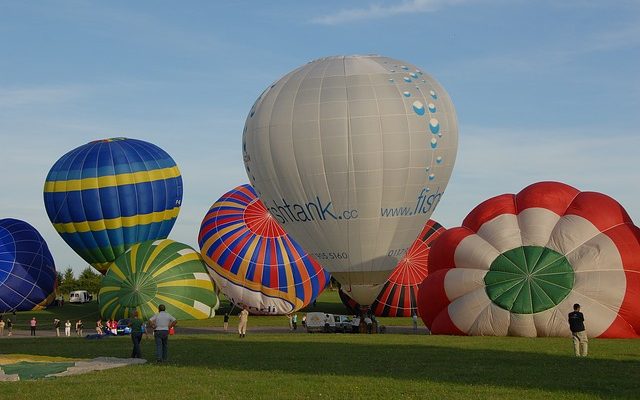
(79, 296)
(316, 322)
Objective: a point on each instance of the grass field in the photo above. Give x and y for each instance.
(314, 366)
(311, 366)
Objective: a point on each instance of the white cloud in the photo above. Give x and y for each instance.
(377, 11)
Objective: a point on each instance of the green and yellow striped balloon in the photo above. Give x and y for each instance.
(158, 272)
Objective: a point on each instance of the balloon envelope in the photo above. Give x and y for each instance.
(519, 263)
(27, 270)
(109, 194)
(351, 155)
(253, 261)
(399, 294)
(158, 272)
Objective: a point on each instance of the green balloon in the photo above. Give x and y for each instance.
(158, 272)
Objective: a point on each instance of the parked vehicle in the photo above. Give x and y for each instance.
(320, 322)
(123, 327)
(79, 296)
(342, 323)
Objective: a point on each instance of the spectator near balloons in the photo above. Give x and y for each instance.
(578, 332)
(99, 327)
(136, 324)
(79, 327)
(33, 324)
(2, 323)
(67, 328)
(225, 322)
(244, 319)
(161, 323)
(56, 325)
(294, 321)
(9, 327)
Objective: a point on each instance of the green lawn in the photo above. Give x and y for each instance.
(293, 366)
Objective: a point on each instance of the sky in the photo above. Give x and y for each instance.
(543, 90)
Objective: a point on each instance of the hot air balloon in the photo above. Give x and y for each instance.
(399, 294)
(158, 272)
(253, 261)
(109, 194)
(27, 270)
(351, 155)
(519, 262)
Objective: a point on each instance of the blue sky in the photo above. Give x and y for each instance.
(544, 90)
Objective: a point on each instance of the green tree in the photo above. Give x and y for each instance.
(89, 281)
(68, 283)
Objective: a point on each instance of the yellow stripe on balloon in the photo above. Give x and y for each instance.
(151, 258)
(107, 289)
(182, 259)
(111, 180)
(184, 307)
(117, 223)
(188, 283)
(116, 270)
(107, 304)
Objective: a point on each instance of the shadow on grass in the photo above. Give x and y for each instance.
(601, 377)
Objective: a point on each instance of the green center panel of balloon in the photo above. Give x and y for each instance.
(137, 290)
(529, 279)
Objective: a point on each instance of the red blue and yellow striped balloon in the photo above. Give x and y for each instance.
(252, 259)
(109, 194)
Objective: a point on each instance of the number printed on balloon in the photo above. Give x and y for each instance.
(351, 155)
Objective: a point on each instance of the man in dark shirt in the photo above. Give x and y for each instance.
(578, 333)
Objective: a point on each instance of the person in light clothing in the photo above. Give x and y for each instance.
(242, 325)
(161, 323)
(67, 328)
(578, 332)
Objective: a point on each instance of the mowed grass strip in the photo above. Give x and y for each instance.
(311, 366)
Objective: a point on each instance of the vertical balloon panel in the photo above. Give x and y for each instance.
(351, 155)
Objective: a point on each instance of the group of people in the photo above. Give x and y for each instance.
(67, 327)
(110, 326)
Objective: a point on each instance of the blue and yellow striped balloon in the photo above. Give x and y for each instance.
(109, 194)
(158, 272)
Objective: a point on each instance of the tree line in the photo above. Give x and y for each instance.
(87, 280)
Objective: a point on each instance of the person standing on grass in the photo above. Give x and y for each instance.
(67, 328)
(242, 325)
(2, 323)
(9, 327)
(414, 318)
(369, 322)
(294, 321)
(56, 324)
(99, 327)
(578, 332)
(33, 325)
(161, 323)
(135, 324)
(79, 327)
(225, 323)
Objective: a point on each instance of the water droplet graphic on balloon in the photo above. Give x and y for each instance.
(418, 107)
(434, 143)
(406, 94)
(434, 125)
(433, 94)
(439, 159)
(432, 107)
(407, 79)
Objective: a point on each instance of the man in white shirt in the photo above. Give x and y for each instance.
(161, 323)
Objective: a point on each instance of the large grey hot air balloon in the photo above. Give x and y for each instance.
(351, 155)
